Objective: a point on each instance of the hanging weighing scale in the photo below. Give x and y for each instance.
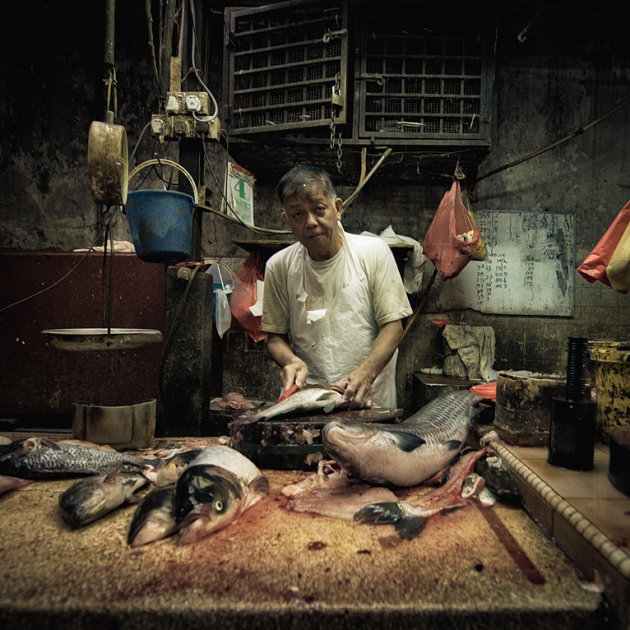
(108, 178)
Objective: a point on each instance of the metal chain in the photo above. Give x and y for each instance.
(339, 153)
(336, 142)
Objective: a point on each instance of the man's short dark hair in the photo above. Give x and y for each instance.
(301, 179)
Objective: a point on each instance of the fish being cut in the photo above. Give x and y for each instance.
(90, 499)
(42, 458)
(214, 490)
(154, 517)
(409, 517)
(408, 453)
(309, 398)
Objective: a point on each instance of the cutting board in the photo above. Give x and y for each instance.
(295, 442)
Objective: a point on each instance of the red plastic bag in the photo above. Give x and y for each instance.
(452, 237)
(245, 295)
(596, 263)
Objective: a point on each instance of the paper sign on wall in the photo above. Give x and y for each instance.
(240, 192)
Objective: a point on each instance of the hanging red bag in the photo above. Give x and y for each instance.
(245, 295)
(596, 263)
(452, 237)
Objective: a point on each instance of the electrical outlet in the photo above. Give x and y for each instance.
(197, 103)
(179, 126)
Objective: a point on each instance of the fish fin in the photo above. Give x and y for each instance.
(407, 442)
(409, 527)
(260, 485)
(453, 445)
(379, 513)
(329, 406)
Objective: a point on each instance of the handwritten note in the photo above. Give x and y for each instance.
(530, 267)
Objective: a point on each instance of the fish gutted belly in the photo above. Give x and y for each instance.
(331, 493)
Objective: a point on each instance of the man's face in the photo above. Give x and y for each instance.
(314, 219)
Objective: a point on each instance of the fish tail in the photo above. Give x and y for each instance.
(408, 527)
(379, 513)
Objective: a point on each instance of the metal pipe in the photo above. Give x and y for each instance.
(167, 48)
(110, 30)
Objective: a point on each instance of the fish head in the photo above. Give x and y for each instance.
(345, 440)
(207, 498)
(154, 517)
(84, 502)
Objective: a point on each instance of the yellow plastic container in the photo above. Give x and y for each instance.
(612, 380)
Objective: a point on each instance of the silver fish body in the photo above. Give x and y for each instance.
(42, 458)
(214, 490)
(154, 517)
(92, 498)
(309, 398)
(408, 453)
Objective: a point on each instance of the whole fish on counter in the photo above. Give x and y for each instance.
(410, 517)
(214, 490)
(309, 398)
(154, 517)
(42, 458)
(408, 453)
(90, 499)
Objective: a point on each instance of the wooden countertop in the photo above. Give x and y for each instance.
(275, 568)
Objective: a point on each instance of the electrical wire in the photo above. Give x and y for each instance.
(235, 218)
(149, 15)
(553, 145)
(133, 153)
(67, 275)
(193, 57)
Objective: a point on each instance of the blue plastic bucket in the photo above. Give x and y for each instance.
(160, 222)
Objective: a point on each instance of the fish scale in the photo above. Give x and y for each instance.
(440, 418)
(38, 458)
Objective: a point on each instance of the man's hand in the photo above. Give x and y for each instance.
(357, 389)
(357, 386)
(294, 372)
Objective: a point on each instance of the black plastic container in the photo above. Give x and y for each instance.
(572, 426)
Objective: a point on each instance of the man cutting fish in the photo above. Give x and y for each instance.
(333, 302)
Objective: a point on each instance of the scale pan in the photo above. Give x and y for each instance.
(101, 338)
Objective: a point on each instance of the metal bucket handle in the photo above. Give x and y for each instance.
(168, 163)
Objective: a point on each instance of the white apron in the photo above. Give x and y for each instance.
(333, 337)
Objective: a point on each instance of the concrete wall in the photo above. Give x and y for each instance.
(572, 67)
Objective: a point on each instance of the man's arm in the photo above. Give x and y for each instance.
(294, 370)
(357, 385)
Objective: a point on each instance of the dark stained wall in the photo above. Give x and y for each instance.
(570, 66)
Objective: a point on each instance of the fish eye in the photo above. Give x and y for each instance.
(218, 506)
